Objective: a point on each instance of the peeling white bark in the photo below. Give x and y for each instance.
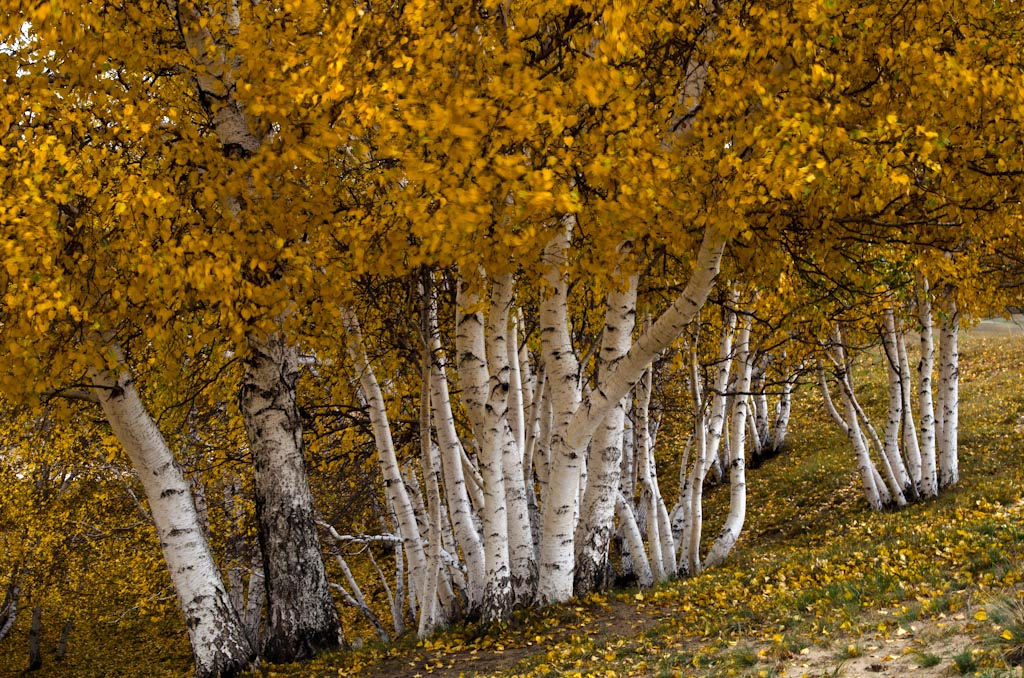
(219, 643)
(562, 369)
(926, 408)
(949, 386)
(576, 424)
(301, 617)
(395, 489)
(737, 463)
(593, 533)
(501, 356)
(488, 431)
(456, 491)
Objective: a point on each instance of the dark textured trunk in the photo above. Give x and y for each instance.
(302, 619)
(62, 645)
(591, 575)
(35, 657)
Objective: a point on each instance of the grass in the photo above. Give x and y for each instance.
(814, 571)
(813, 564)
(1007, 613)
(964, 663)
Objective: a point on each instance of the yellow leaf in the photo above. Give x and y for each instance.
(1006, 634)
(981, 615)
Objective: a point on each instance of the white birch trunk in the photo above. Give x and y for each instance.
(301, 617)
(219, 644)
(398, 497)
(516, 395)
(711, 440)
(849, 426)
(598, 505)
(648, 496)
(926, 415)
(538, 405)
(658, 513)
(668, 543)
(890, 343)
(894, 493)
(356, 599)
(752, 433)
(557, 549)
(700, 430)
(679, 518)
(949, 386)
(761, 406)
(781, 426)
(456, 492)
(633, 542)
(474, 482)
(432, 613)
(474, 380)
(737, 463)
(502, 410)
(911, 447)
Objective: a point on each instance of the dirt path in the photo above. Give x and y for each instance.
(615, 620)
(923, 648)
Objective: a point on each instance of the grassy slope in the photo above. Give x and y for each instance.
(813, 569)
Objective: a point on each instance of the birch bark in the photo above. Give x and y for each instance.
(456, 493)
(949, 386)
(709, 440)
(926, 408)
(398, 497)
(219, 643)
(911, 447)
(598, 506)
(850, 427)
(504, 406)
(576, 429)
(301, 617)
(474, 380)
(726, 539)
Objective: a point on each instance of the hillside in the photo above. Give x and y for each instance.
(818, 586)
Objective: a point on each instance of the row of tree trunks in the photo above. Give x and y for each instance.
(916, 460)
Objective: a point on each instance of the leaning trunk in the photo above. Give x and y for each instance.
(219, 644)
(576, 424)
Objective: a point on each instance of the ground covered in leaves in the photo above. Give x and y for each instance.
(818, 586)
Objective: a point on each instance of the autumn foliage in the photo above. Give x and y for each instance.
(431, 312)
